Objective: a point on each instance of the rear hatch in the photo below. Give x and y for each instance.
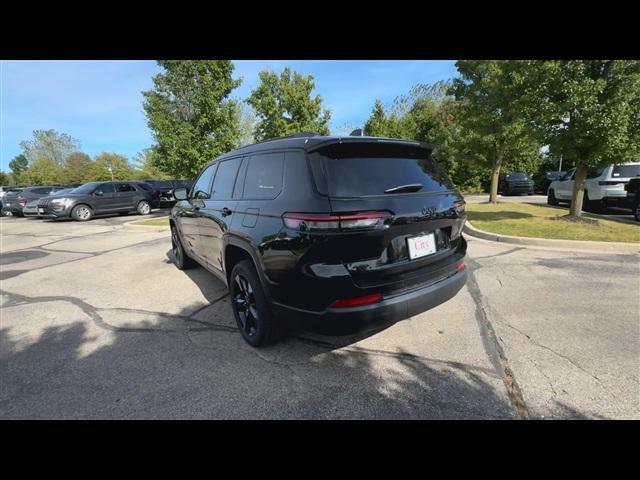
(417, 236)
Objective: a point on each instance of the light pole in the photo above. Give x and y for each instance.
(560, 166)
(111, 172)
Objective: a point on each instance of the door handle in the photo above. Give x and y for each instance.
(226, 211)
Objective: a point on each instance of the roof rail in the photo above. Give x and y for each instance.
(300, 134)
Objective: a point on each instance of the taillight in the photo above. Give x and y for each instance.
(459, 206)
(324, 221)
(21, 202)
(460, 266)
(609, 183)
(357, 301)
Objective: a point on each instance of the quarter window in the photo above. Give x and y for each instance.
(264, 176)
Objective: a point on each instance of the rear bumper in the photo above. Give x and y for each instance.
(14, 210)
(345, 321)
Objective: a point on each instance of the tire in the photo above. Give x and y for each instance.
(636, 211)
(257, 324)
(82, 213)
(180, 258)
(143, 207)
(551, 198)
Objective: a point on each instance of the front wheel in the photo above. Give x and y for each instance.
(551, 198)
(143, 208)
(256, 323)
(180, 257)
(81, 213)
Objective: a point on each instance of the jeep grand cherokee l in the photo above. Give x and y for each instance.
(328, 234)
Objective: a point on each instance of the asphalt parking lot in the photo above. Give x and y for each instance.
(97, 323)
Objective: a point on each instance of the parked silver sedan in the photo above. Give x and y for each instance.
(31, 208)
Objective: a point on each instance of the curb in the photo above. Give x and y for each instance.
(144, 228)
(576, 245)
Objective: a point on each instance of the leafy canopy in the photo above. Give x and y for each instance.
(50, 144)
(190, 114)
(283, 105)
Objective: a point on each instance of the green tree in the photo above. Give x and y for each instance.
(585, 110)
(496, 133)
(5, 178)
(50, 144)
(43, 171)
(283, 105)
(146, 166)
(78, 168)
(19, 164)
(190, 114)
(111, 166)
(246, 123)
(376, 125)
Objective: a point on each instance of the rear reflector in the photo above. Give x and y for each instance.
(460, 267)
(325, 221)
(357, 301)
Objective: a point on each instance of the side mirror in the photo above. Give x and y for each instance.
(98, 193)
(180, 193)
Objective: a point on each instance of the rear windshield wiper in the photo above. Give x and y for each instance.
(412, 187)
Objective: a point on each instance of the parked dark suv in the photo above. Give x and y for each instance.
(96, 198)
(328, 234)
(515, 183)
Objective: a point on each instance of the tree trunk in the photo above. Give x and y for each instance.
(578, 189)
(495, 177)
(495, 173)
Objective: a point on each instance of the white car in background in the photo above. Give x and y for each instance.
(604, 186)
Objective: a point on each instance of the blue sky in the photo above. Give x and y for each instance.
(100, 102)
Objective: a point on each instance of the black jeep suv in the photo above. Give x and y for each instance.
(327, 234)
(97, 198)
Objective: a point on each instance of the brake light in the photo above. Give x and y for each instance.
(460, 266)
(459, 206)
(609, 183)
(21, 202)
(324, 221)
(357, 301)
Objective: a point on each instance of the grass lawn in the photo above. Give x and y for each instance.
(156, 222)
(525, 220)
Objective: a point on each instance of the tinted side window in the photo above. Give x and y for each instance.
(225, 179)
(107, 188)
(125, 187)
(264, 176)
(42, 191)
(202, 187)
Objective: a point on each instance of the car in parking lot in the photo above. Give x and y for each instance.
(17, 198)
(163, 190)
(329, 234)
(604, 186)
(515, 183)
(31, 208)
(633, 196)
(96, 198)
(544, 179)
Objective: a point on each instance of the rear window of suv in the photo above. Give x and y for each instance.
(625, 171)
(361, 172)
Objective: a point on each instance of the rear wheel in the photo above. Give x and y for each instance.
(82, 213)
(551, 198)
(256, 323)
(180, 257)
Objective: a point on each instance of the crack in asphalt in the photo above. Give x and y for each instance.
(492, 346)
